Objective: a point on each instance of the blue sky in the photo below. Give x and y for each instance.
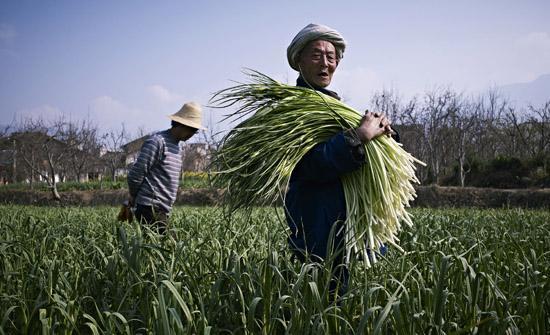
(134, 62)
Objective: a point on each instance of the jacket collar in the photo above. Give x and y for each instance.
(300, 82)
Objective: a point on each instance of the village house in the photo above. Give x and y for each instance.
(24, 157)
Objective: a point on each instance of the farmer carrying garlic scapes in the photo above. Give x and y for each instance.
(154, 178)
(315, 202)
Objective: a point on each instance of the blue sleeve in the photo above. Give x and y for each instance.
(328, 160)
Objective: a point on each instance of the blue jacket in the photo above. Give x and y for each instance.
(315, 198)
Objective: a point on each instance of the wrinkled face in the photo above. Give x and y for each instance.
(317, 62)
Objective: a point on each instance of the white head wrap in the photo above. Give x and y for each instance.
(313, 32)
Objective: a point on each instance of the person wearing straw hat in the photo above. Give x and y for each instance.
(315, 205)
(154, 178)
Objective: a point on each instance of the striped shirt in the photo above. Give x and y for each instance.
(154, 178)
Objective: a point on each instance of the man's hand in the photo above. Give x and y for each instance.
(373, 125)
(131, 200)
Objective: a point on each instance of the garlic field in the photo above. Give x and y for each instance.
(79, 271)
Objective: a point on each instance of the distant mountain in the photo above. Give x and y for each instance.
(534, 93)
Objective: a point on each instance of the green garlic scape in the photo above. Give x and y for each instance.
(283, 122)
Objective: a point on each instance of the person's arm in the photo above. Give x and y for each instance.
(148, 155)
(344, 152)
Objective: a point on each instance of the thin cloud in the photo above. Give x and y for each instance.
(107, 111)
(505, 59)
(532, 55)
(536, 41)
(163, 94)
(110, 113)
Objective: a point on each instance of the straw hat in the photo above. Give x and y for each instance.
(189, 115)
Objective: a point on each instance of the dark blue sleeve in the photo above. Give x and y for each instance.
(327, 160)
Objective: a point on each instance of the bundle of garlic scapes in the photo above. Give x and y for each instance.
(256, 158)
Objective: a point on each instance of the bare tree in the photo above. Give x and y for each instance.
(114, 157)
(434, 119)
(412, 133)
(42, 147)
(516, 133)
(539, 124)
(8, 156)
(141, 132)
(388, 102)
(488, 136)
(85, 145)
(462, 121)
(210, 139)
(527, 131)
(447, 130)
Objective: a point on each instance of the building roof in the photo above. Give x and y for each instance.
(134, 145)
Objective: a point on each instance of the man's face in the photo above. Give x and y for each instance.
(318, 61)
(184, 133)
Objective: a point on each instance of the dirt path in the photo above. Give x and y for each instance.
(428, 196)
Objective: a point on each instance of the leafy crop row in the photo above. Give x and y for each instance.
(77, 270)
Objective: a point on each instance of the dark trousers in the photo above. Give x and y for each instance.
(332, 255)
(153, 217)
(339, 272)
